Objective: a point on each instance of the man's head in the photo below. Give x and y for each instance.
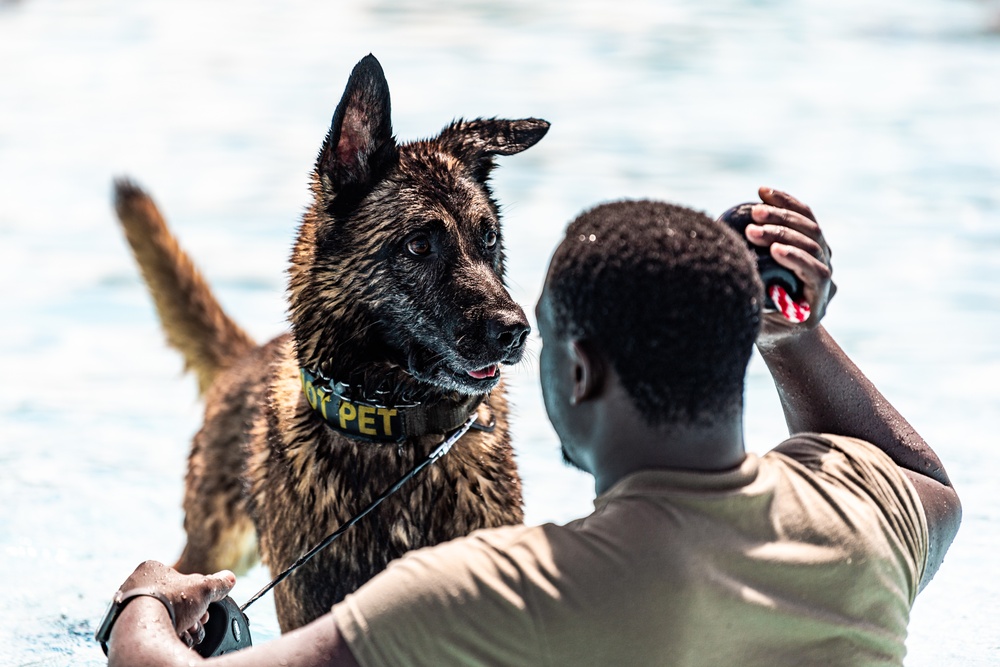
(667, 297)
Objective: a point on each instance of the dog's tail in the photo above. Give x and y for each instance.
(192, 318)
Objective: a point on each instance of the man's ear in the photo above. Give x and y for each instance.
(359, 146)
(589, 371)
(476, 142)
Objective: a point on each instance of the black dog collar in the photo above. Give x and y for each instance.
(377, 422)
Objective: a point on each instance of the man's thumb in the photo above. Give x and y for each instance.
(219, 584)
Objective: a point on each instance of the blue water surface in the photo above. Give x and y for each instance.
(882, 116)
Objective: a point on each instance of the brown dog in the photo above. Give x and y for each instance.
(399, 323)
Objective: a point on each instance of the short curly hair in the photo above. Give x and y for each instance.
(672, 298)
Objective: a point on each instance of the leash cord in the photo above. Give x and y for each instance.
(437, 453)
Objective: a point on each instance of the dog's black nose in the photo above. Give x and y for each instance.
(510, 332)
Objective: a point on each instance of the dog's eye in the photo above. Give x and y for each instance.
(490, 238)
(418, 246)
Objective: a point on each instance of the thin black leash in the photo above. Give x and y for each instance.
(437, 453)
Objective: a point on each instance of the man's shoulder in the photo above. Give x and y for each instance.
(861, 471)
(853, 473)
(815, 450)
(852, 465)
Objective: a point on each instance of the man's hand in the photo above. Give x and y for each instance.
(190, 595)
(142, 638)
(789, 228)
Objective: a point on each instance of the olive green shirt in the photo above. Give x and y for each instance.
(810, 554)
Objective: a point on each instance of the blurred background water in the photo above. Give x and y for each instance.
(882, 116)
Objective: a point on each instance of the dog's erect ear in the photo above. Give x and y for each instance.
(360, 144)
(476, 142)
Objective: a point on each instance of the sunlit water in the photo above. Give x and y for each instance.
(883, 116)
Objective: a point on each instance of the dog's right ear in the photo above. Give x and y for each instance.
(359, 146)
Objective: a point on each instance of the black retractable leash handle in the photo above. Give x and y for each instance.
(771, 273)
(228, 628)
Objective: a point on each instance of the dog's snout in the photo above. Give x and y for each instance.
(510, 333)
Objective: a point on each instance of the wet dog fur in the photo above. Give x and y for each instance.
(396, 288)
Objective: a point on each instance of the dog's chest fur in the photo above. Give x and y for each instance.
(305, 480)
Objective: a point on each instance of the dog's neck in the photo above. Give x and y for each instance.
(358, 416)
(368, 370)
(353, 384)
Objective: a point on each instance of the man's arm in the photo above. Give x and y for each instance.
(143, 634)
(821, 390)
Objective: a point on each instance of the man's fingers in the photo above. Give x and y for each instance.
(811, 270)
(197, 633)
(193, 635)
(764, 214)
(784, 200)
(765, 235)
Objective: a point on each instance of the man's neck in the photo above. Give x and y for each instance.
(628, 444)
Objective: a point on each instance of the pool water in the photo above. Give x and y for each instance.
(882, 116)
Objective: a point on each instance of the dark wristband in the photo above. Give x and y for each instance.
(118, 604)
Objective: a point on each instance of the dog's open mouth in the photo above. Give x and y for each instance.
(452, 374)
(487, 372)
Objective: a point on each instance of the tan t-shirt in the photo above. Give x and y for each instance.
(809, 555)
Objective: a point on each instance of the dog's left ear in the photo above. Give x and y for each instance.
(476, 142)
